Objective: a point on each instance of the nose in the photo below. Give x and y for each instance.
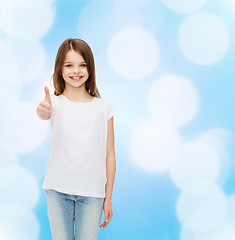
(76, 69)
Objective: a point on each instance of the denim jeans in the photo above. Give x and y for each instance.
(65, 210)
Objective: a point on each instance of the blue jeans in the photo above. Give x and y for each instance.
(65, 210)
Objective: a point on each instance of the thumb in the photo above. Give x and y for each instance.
(47, 97)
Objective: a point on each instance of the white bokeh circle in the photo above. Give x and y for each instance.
(184, 6)
(28, 50)
(25, 131)
(174, 98)
(26, 18)
(91, 30)
(10, 82)
(9, 166)
(6, 232)
(44, 79)
(24, 223)
(197, 168)
(133, 53)
(203, 38)
(186, 234)
(154, 144)
(2, 2)
(201, 213)
(218, 138)
(133, 13)
(22, 189)
(221, 232)
(230, 212)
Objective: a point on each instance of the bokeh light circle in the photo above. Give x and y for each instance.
(26, 18)
(154, 144)
(221, 232)
(25, 224)
(201, 213)
(133, 53)
(19, 135)
(174, 98)
(6, 232)
(186, 234)
(10, 82)
(22, 189)
(28, 50)
(231, 211)
(197, 168)
(203, 38)
(9, 166)
(134, 13)
(184, 6)
(218, 138)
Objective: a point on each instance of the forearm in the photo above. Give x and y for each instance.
(110, 173)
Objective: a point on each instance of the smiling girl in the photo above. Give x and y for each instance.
(81, 166)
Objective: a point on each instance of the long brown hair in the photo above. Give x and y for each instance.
(84, 50)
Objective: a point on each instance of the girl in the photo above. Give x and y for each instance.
(81, 166)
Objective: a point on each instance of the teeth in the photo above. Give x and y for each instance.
(75, 77)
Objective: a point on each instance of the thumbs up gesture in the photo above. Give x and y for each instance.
(44, 109)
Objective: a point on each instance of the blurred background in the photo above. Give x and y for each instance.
(167, 67)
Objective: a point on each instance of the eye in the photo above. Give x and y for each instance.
(83, 65)
(68, 65)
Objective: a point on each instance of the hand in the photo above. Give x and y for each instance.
(44, 108)
(108, 212)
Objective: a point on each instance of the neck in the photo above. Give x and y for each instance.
(76, 94)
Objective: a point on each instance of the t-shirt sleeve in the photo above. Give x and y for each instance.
(109, 110)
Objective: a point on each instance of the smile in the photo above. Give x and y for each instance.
(76, 78)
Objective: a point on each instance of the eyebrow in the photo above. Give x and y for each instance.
(71, 62)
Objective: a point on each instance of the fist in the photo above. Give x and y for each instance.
(44, 109)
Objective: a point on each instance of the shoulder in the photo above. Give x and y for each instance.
(108, 108)
(101, 100)
(104, 102)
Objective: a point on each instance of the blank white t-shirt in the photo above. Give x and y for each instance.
(77, 158)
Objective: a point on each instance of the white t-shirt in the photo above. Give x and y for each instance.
(77, 159)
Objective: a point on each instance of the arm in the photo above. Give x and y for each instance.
(110, 173)
(110, 161)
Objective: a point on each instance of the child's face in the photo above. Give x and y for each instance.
(74, 70)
